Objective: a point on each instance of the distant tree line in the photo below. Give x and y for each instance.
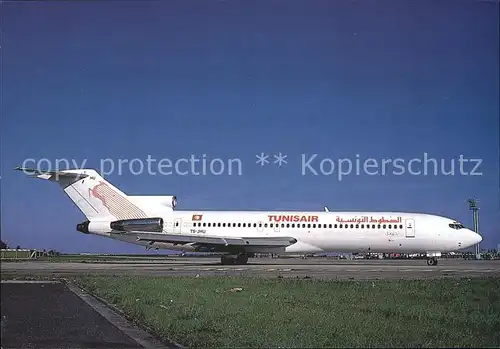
(4, 246)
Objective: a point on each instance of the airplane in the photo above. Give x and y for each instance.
(154, 222)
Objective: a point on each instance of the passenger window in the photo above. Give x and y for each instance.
(265, 225)
(362, 226)
(384, 226)
(357, 226)
(352, 226)
(390, 226)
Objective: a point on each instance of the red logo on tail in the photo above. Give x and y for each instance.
(95, 192)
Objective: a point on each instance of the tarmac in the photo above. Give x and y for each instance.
(262, 267)
(51, 314)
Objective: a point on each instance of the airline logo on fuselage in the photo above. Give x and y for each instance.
(366, 219)
(292, 218)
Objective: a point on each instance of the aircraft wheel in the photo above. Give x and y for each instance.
(241, 259)
(225, 260)
(238, 260)
(432, 261)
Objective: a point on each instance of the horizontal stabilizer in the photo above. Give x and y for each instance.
(51, 175)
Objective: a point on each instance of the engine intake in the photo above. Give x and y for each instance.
(143, 224)
(83, 227)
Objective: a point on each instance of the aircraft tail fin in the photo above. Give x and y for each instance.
(91, 193)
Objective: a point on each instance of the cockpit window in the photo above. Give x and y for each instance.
(456, 226)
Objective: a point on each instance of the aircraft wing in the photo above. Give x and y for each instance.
(216, 243)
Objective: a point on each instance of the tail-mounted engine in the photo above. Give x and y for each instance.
(150, 225)
(155, 202)
(143, 224)
(83, 227)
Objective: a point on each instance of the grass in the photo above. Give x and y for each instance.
(202, 312)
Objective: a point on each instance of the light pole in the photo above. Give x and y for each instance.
(475, 221)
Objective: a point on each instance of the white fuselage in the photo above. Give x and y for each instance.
(318, 232)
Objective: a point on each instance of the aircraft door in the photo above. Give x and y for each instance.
(276, 227)
(177, 226)
(260, 227)
(410, 228)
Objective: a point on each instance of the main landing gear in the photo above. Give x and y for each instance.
(432, 258)
(432, 261)
(238, 259)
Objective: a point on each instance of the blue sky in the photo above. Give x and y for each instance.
(89, 80)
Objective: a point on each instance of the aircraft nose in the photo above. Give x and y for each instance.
(473, 238)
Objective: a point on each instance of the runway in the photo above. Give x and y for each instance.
(270, 268)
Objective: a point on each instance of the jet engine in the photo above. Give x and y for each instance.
(83, 227)
(169, 201)
(142, 224)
